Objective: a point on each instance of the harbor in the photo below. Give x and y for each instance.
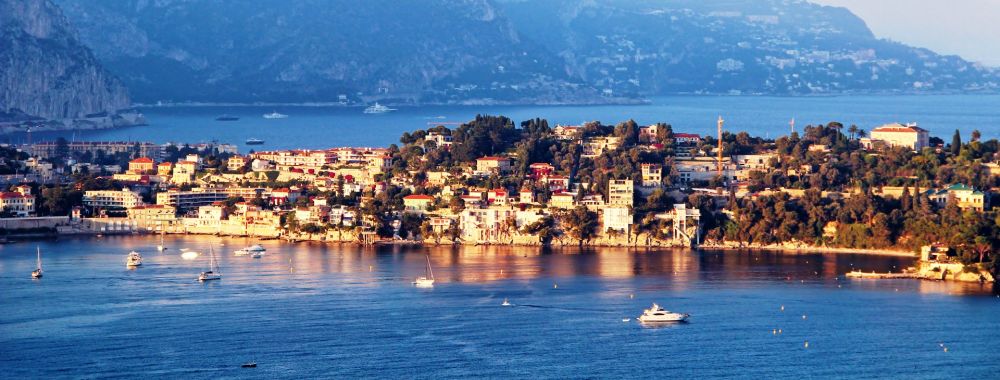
(351, 311)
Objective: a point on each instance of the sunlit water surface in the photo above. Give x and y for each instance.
(310, 311)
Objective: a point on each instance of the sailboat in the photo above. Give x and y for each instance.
(213, 272)
(37, 273)
(428, 279)
(161, 247)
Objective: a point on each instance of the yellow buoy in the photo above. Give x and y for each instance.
(370, 267)
(774, 331)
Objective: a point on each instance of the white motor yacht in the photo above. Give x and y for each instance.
(378, 108)
(133, 260)
(505, 303)
(252, 250)
(658, 314)
(275, 115)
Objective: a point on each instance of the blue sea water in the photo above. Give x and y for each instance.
(331, 311)
(324, 127)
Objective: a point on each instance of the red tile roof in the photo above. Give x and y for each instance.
(419, 196)
(141, 160)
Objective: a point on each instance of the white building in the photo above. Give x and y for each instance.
(909, 135)
(616, 218)
(112, 199)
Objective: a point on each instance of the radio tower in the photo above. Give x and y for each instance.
(719, 166)
(792, 125)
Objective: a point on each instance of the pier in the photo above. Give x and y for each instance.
(875, 275)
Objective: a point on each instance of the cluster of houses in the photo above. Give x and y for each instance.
(184, 195)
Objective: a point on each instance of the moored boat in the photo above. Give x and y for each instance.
(133, 260)
(428, 279)
(254, 141)
(213, 272)
(227, 118)
(37, 273)
(275, 115)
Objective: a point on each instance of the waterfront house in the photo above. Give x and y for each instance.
(18, 203)
(112, 200)
(616, 218)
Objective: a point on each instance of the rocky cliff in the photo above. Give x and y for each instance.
(45, 71)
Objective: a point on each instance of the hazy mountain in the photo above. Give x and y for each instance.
(721, 46)
(553, 51)
(316, 50)
(45, 71)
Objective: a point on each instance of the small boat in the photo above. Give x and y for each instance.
(133, 260)
(506, 303)
(160, 247)
(378, 108)
(658, 314)
(626, 319)
(213, 272)
(254, 141)
(227, 118)
(257, 255)
(428, 279)
(37, 273)
(249, 365)
(253, 249)
(275, 115)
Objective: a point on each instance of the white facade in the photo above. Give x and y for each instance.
(123, 199)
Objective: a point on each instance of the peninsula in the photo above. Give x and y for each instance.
(491, 180)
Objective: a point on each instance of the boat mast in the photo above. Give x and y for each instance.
(39, 260)
(430, 273)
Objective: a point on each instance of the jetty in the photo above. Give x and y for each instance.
(876, 275)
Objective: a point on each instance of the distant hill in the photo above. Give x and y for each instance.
(500, 51)
(45, 71)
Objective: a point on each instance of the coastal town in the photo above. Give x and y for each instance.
(893, 190)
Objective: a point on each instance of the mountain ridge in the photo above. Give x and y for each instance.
(501, 51)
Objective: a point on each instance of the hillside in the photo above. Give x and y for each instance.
(500, 51)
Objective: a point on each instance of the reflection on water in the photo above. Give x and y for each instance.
(343, 311)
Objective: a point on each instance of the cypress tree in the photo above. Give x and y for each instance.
(956, 143)
(905, 199)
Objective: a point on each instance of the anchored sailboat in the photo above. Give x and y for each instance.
(213, 272)
(37, 273)
(428, 279)
(161, 247)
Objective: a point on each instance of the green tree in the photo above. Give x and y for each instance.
(956, 143)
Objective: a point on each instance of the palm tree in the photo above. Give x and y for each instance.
(861, 133)
(853, 130)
